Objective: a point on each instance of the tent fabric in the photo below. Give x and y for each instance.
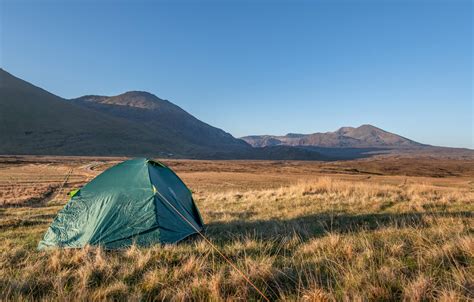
(126, 204)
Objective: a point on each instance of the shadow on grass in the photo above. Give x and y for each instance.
(316, 225)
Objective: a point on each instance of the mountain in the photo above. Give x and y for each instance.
(34, 121)
(165, 120)
(37, 122)
(365, 136)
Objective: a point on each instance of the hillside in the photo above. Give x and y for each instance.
(34, 121)
(365, 136)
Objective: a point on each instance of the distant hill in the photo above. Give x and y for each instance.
(35, 121)
(365, 136)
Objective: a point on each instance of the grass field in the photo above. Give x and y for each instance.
(374, 229)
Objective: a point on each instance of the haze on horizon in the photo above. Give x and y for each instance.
(260, 67)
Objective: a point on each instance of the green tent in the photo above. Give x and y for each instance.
(137, 201)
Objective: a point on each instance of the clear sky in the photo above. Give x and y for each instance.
(260, 67)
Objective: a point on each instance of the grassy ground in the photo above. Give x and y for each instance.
(310, 238)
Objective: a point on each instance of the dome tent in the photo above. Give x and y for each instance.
(137, 201)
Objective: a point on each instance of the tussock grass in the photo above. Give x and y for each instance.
(322, 240)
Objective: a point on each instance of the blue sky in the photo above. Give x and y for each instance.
(260, 67)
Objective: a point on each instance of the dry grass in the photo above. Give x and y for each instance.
(323, 239)
(36, 183)
(12, 195)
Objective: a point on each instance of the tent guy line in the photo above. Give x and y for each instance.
(208, 241)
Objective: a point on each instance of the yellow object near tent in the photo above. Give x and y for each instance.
(73, 192)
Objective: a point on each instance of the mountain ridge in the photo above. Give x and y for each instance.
(34, 121)
(364, 136)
